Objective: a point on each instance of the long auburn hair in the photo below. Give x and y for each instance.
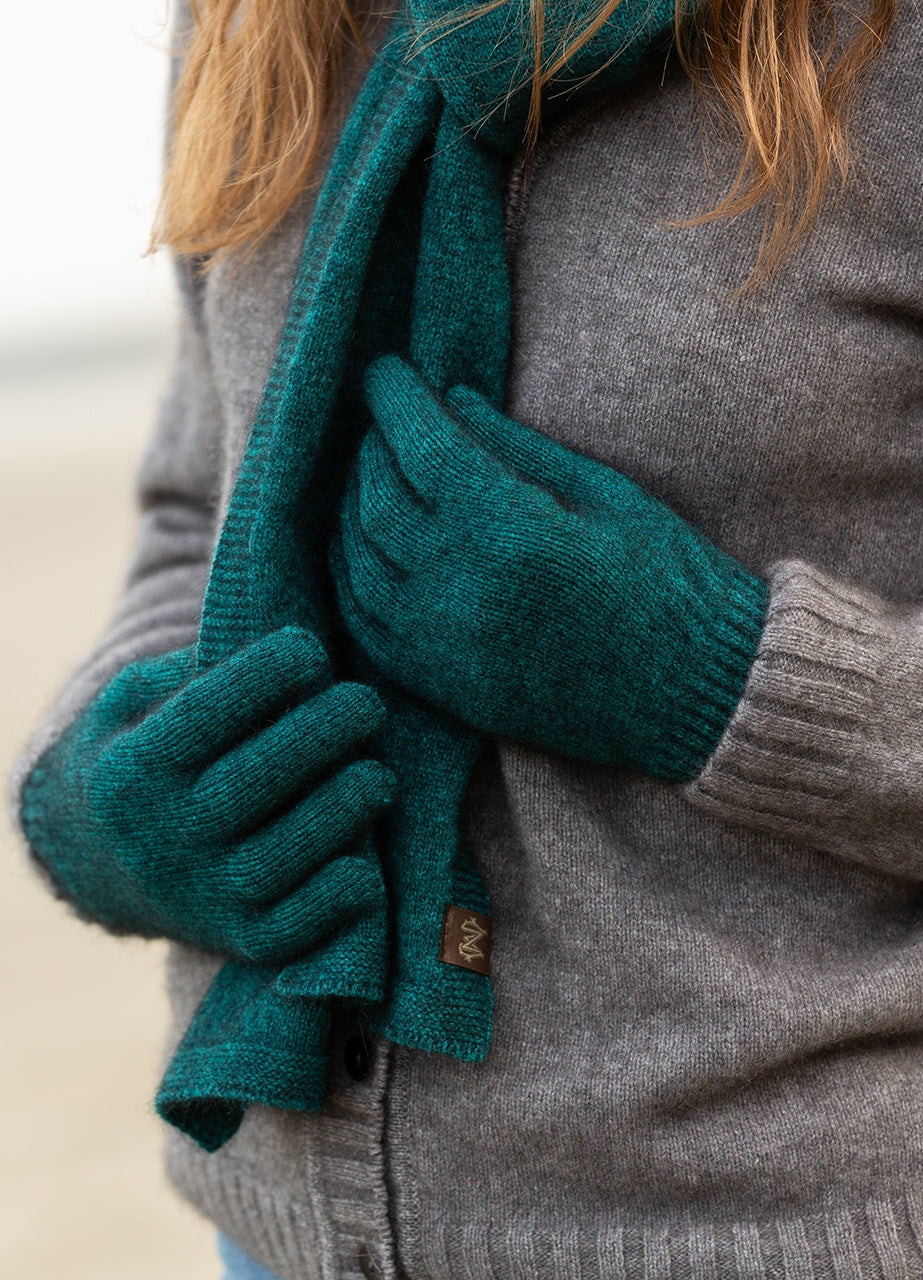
(259, 78)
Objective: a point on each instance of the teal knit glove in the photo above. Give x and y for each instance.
(228, 808)
(534, 593)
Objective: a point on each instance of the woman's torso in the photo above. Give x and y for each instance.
(708, 1050)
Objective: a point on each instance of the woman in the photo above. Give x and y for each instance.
(648, 629)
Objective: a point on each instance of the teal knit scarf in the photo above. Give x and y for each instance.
(405, 253)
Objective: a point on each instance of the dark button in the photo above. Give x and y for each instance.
(368, 1266)
(357, 1057)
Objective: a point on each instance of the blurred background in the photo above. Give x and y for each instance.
(85, 338)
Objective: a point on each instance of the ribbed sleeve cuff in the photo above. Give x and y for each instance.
(786, 761)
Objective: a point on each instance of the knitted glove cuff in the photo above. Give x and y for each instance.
(724, 632)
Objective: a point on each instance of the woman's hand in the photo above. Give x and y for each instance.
(229, 808)
(533, 592)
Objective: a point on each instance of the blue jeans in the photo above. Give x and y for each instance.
(239, 1265)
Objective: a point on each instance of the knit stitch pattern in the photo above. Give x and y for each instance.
(535, 594)
(162, 812)
(405, 253)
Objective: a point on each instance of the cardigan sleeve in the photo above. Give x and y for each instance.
(826, 745)
(178, 487)
(178, 492)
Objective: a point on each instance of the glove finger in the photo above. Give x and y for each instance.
(330, 820)
(365, 569)
(363, 593)
(435, 457)
(228, 702)
(388, 511)
(345, 889)
(273, 768)
(352, 963)
(571, 477)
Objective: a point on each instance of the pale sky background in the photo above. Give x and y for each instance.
(81, 102)
(85, 338)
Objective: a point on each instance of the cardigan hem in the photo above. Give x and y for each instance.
(881, 1239)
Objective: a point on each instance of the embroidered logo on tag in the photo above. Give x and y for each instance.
(466, 940)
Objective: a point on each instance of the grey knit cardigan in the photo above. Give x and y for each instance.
(708, 1057)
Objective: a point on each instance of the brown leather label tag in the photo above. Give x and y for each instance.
(466, 940)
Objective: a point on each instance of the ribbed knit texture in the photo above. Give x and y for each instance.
(708, 1032)
(883, 1238)
(406, 251)
(355, 297)
(822, 753)
(338, 1216)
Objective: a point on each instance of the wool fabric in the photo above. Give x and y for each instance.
(535, 594)
(409, 254)
(161, 812)
(706, 1059)
(166, 803)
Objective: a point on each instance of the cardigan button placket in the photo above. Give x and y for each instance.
(357, 1057)
(368, 1266)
